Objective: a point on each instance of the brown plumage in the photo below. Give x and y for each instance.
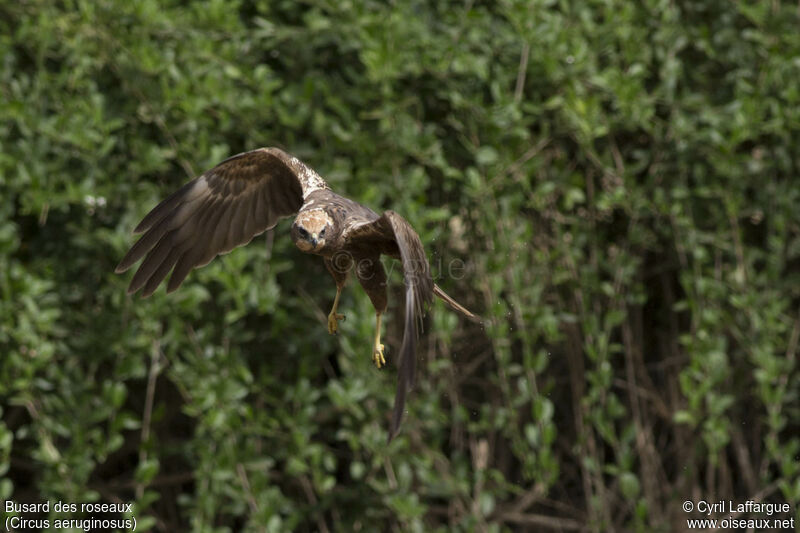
(247, 194)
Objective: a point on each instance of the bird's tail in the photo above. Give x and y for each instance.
(454, 305)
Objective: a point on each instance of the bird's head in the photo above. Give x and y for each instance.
(311, 228)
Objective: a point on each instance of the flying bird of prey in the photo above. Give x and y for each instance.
(246, 195)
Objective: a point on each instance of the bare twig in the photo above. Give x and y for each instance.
(251, 501)
(312, 499)
(543, 521)
(387, 466)
(522, 71)
(152, 375)
(480, 459)
(312, 305)
(514, 167)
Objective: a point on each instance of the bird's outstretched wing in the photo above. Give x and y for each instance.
(223, 208)
(393, 235)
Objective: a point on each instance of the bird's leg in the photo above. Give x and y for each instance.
(333, 316)
(377, 347)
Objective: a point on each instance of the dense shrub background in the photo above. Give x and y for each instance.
(620, 178)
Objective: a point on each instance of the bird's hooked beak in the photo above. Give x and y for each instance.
(314, 240)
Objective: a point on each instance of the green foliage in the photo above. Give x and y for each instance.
(619, 179)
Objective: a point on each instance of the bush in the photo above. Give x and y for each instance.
(620, 180)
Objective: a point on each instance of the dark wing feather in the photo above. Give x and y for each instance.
(393, 235)
(225, 207)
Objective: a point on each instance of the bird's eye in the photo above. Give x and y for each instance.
(321, 233)
(302, 231)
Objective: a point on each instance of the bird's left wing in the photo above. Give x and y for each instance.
(393, 235)
(223, 208)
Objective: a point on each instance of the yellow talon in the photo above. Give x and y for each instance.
(377, 356)
(377, 347)
(333, 316)
(333, 321)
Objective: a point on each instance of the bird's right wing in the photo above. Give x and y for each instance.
(223, 208)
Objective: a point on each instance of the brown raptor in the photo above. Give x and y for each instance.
(247, 194)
